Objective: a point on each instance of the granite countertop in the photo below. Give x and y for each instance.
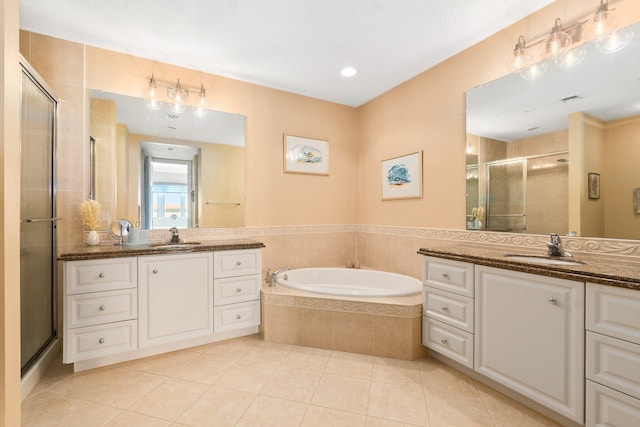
(106, 250)
(600, 269)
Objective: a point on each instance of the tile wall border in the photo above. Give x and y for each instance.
(374, 308)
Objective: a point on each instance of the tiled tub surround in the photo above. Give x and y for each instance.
(385, 327)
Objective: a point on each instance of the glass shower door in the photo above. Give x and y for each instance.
(37, 228)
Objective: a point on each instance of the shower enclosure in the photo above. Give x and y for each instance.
(38, 218)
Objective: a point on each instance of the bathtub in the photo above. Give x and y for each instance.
(350, 282)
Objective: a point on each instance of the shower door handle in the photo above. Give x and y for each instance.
(41, 219)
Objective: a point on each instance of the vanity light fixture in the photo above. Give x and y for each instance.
(520, 58)
(603, 23)
(176, 95)
(557, 42)
(151, 95)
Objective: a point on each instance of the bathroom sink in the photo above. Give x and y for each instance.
(540, 259)
(175, 246)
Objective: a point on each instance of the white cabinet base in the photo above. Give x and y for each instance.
(607, 407)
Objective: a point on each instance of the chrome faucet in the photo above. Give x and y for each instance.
(271, 278)
(555, 246)
(175, 238)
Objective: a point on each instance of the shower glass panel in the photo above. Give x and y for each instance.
(38, 222)
(506, 196)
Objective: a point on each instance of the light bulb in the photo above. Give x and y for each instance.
(520, 59)
(151, 95)
(572, 57)
(558, 41)
(603, 23)
(534, 72)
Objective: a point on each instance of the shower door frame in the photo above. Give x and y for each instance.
(29, 72)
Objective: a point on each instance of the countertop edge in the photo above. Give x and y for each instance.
(567, 272)
(83, 253)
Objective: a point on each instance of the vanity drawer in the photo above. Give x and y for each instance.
(613, 311)
(447, 340)
(448, 275)
(101, 307)
(237, 263)
(607, 407)
(103, 340)
(453, 309)
(614, 363)
(100, 275)
(236, 316)
(236, 289)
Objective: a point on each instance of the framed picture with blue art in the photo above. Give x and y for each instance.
(306, 155)
(402, 177)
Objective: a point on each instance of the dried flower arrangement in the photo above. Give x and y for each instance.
(90, 213)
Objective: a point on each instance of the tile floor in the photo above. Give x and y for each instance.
(248, 382)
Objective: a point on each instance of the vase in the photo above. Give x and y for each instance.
(93, 238)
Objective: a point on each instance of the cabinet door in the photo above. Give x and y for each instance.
(176, 297)
(530, 336)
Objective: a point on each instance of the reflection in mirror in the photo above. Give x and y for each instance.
(161, 169)
(531, 144)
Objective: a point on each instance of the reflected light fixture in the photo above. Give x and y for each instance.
(616, 41)
(151, 95)
(520, 59)
(534, 71)
(179, 96)
(572, 57)
(557, 42)
(199, 109)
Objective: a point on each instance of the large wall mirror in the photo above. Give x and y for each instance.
(560, 153)
(164, 169)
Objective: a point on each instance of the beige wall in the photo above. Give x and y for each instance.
(620, 176)
(427, 113)
(10, 217)
(273, 198)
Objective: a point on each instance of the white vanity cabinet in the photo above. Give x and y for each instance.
(447, 325)
(175, 297)
(237, 289)
(529, 336)
(100, 308)
(612, 356)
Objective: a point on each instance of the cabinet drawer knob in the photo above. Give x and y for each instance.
(102, 308)
(444, 341)
(445, 276)
(238, 317)
(239, 290)
(553, 301)
(445, 308)
(101, 275)
(155, 271)
(238, 263)
(101, 340)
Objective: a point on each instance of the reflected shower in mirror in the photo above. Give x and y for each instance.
(531, 144)
(163, 169)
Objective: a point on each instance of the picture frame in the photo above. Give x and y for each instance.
(306, 155)
(402, 177)
(593, 185)
(636, 201)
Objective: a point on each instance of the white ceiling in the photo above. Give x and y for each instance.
(298, 46)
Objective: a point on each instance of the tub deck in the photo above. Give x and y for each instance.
(385, 327)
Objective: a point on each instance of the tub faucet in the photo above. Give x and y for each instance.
(555, 246)
(271, 278)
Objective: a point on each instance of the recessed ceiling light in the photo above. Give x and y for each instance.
(348, 71)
